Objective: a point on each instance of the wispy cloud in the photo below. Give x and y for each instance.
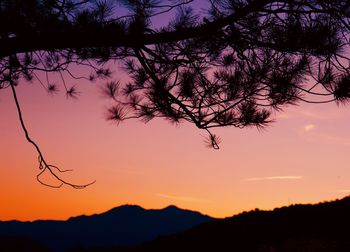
(343, 191)
(274, 178)
(182, 198)
(325, 138)
(313, 115)
(132, 172)
(309, 127)
(335, 139)
(307, 114)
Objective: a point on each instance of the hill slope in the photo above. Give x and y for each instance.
(323, 227)
(123, 225)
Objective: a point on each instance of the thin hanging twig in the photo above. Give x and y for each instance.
(43, 165)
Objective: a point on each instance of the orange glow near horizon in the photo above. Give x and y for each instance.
(300, 158)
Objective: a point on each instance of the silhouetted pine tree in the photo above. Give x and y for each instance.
(232, 66)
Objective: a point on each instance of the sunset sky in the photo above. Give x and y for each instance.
(303, 157)
(300, 158)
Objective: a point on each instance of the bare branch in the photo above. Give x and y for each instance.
(43, 165)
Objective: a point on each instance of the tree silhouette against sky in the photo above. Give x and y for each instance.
(212, 63)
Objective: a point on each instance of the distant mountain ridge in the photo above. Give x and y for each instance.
(322, 227)
(123, 225)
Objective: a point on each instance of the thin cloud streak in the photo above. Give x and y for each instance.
(324, 138)
(307, 114)
(343, 191)
(182, 198)
(131, 172)
(309, 127)
(274, 178)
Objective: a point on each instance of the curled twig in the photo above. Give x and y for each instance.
(43, 165)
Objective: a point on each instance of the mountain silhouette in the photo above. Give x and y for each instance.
(323, 227)
(124, 225)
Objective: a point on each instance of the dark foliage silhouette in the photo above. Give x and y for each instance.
(232, 66)
(317, 228)
(20, 244)
(124, 225)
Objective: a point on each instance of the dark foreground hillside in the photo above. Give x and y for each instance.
(324, 227)
(20, 244)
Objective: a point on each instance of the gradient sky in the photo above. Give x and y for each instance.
(300, 158)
